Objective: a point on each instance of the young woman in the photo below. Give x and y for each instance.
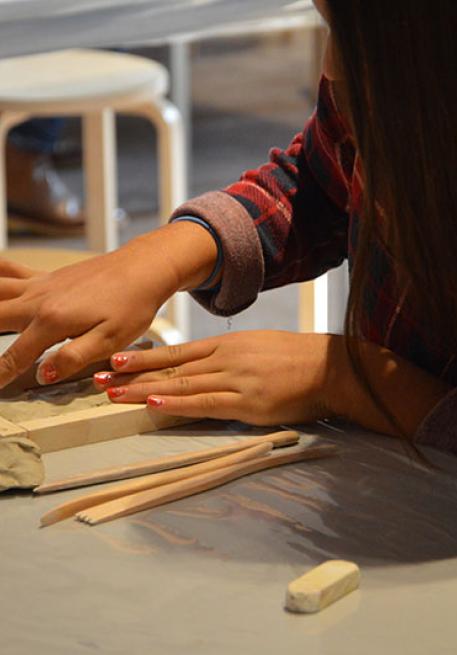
(371, 178)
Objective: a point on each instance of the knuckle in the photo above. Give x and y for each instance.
(210, 403)
(184, 386)
(70, 357)
(48, 314)
(109, 342)
(143, 389)
(172, 372)
(10, 363)
(174, 354)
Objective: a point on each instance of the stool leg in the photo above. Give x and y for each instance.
(172, 184)
(100, 170)
(7, 121)
(172, 154)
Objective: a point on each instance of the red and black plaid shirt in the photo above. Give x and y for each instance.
(306, 205)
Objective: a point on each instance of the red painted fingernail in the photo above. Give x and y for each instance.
(155, 402)
(103, 378)
(116, 392)
(49, 373)
(119, 360)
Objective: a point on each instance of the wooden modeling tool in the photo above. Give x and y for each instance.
(167, 493)
(70, 508)
(283, 438)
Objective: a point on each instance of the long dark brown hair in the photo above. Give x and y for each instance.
(398, 61)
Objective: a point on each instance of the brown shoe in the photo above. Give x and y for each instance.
(38, 200)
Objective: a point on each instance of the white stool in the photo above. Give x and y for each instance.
(95, 85)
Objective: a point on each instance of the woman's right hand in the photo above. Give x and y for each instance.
(102, 304)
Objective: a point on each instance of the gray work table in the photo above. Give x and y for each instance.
(207, 574)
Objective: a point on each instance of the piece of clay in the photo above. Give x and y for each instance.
(20, 464)
(322, 586)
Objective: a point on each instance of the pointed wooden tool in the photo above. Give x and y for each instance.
(283, 438)
(70, 508)
(150, 498)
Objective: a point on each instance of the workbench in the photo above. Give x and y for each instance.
(207, 575)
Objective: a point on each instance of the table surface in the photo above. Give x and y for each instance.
(208, 574)
(28, 26)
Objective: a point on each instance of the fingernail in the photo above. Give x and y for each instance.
(103, 378)
(119, 360)
(47, 374)
(155, 402)
(116, 392)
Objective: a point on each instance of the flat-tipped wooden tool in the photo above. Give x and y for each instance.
(70, 508)
(150, 498)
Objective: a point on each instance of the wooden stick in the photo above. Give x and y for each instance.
(170, 492)
(283, 438)
(70, 508)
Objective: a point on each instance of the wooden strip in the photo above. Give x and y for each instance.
(9, 429)
(96, 424)
(195, 485)
(283, 438)
(70, 508)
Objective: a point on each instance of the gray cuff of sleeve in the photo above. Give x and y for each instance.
(243, 272)
(439, 427)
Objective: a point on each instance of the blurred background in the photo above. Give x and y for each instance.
(248, 94)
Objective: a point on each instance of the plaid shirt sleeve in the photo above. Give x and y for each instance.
(288, 220)
(298, 201)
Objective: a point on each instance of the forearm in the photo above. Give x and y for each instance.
(408, 393)
(187, 254)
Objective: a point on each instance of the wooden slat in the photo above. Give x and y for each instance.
(95, 425)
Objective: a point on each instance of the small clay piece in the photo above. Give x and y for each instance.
(322, 586)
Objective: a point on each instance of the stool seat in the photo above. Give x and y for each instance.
(77, 75)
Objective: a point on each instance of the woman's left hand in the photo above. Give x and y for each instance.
(259, 377)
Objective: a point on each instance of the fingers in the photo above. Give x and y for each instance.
(139, 389)
(164, 357)
(11, 288)
(75, 355)
(14, 317)
(105, 379)
(219, 405)
(14, 270)
(21, 355)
